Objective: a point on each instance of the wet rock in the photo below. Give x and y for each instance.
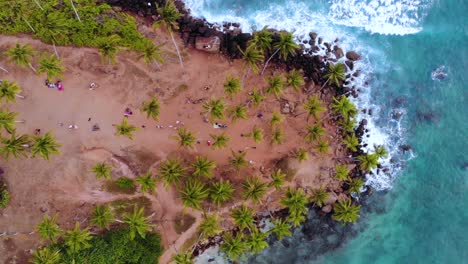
(370, 111)
(430, 117)
(328, 46)
(352, 55)
(406, 148)
(320, 40)
(350, 64)
(400, 100)
(338, 52)
(313, 36)
(357, 73)
(397, 115)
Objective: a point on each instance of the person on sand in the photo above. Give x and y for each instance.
(128, 112)
(59, 85)
(72, 126)
(37, 131)
(92, 86)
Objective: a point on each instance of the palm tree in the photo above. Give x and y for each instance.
(286, 46)
(108, 48)
(277, 179)
(8, 120)
(380, 151)
(296, 219)
(46, 256)
(344, 107)
(52, 27)
(277, 136)
(21, 55)
(183, 258)
(151, 108)
(185, 138)
(276, 118)
(319, 197)
(48, 228)
(348, 125)
(313, 107)
(232, 86)
(302, 154)
(9, 91)
(314, 133)
(171, 171)
(281, 228)
(137, 223)
(125, 129)
(351, 142)
(368, 161)
(51, 66)
(238, 160)
(254, 189)
(341, 172)
(221, 192)
(252, 57)
(296, 202)
(256, 97)
(275, 85)
(243, 217)
(152, 53)
(295, 80)
(169, 15)
(102, 216)
(147, 182)
(262, 40)
(203, 167)
(257, 135)
(215, 107)
(209, 226)
(102, 171)
(323, 146)
(193, 194)
(355, 185)
(14, 146)
(345, 211)
(238, 112)
(45, 146)
(233, 246)
(257, 241)
(220, 141)
(335, 74)
(77, 239)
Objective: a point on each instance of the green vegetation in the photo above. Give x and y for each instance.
(203, 167)
(276, 118)
(323, 147)
(335, 74)
(221, 192)
(341, 172)
(243, 217)
(281, 228)
(351, 142)
(151, 108)
(7, 120)
(314, 132)
(169, 14)
(234, 246)
(9, 91)
(257, 97)
(275, 85)
(313, 107)
(296, 202)
(4, 195)
(277, 136)
(77, 239)
(256, 135)
(183, 258)
(238, 112)
(380, 151)
(295, 80)
(102, 171)
(125, 183)
(257, 241)
(238, 161)
(137, 223)
(302, 155)
(209, 226)
(319, 196)
(14, 146)
(46, 256)
(147, 182)
(171, 171)
(254, 189)
(214, 107)
(185, 138)
(44, 146)
(232, 86)
(355, 185)
(252, 57)
(285, 46)
(102, 216)
(193, 193)
(277, 179)
(262, 40)
(51, 66)
(345, 211)
(368, 161)
(125, 129)
(48, 228)
(344, 107)
(220, 141)
(108, 48)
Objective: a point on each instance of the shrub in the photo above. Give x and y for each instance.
(125, 183)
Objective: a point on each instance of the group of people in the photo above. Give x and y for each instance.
(57, 85)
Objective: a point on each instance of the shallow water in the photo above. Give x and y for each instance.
(422, 217)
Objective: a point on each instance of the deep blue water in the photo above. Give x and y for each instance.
(423, 216)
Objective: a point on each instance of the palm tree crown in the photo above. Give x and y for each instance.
(368, 161)
(151, 108)
(137, 223)
(319, 197)
(355, 185)
(281, 228)
(51, 66)
(252, 57)
(234, 246)
(314, 133)
(108, 48)
(257, 241)
(209, 226)
(336, 73)
(345, 211)
(238, 160)
(215, 107)
(8, 91)
(203, 167)
(48, 228)
(296, 202)
(14, 146)
(77, 239)
(221, 192)
(169, 15)
(193, 194)
(276, 118)
(45, 146)
(147, 182)
(171, 171)
(46, 256)
(256, 97)
(275, 85)
(262, 40)
(220, 141)
(302, 154)
(277, 136)
(151, 53)
(286, 45)
(277, 179)
(243, 217)
(313, 107)
(295, 80)
(232, 86)
(183, 258)
(344, 107)
(254, 189)
(185, 137)
(238, 112)
(380, 151)
(21, 55)
(7, 120)
(125, 129)
(351, 142)
(102, 170)
(341, 172)
(323, 146)
(102, 216)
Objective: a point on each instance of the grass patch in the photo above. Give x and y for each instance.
(4, 195)
(121, 185)
(188, 244)
(183, 222)
(122, 206)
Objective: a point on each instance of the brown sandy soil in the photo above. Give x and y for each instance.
(65, 184)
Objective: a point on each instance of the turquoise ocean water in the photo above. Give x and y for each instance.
(420, 214)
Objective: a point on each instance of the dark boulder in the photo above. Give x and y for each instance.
(350, 64)
(338, 52)
(352, 55)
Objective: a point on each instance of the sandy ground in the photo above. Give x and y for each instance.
(65, 184)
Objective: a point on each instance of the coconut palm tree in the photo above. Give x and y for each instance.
(257, 135)
(193, 194)
(238, 160)
(254, 189)
(275, 85)
(220, 141)
(243, 217)
(344, 107)
(335, 74)
(51, 28)
(302, 154)
(233, 246)
(169, 14)
(296, 219)
(285, 46)
(296, 202)
(252, 57)
(345, 211)
(51, 66)
(281, 228)
(46, 255)
(209, 226)
(257, 241)
(238, 112)
(108, 48)
(323, 146)
(21, 55)
(152, 53)
(151, 108)
(341, 172)
(295, 80)
(319, 197)
(137, 223)
(355, 185)
(171, 171)
(232, 86)
(262, 40)
(45, 146)
(314, 133)
(8, 120)
(48, 228)
(256, 97)
(313, 107)
(276, 118)
(277, 179)
(77, 239)
(9, 91)
(183, 258)
(185, 138)
(380, 151)
(203, 167)
(215, 107)
(102, 170)
(368, 161)
(14, 146)
(125, 129)
(348, 125)
(351, 142)
(221, 192)
(102, 216)
(147, 182)
(277, 136)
